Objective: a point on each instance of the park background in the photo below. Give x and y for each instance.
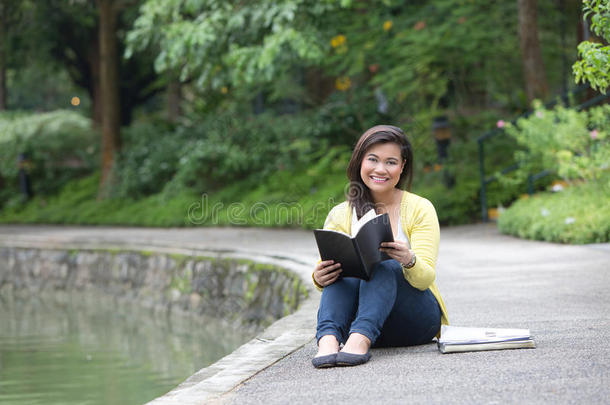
(198, 112)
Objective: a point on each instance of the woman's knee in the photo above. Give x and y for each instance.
(342, 289)
(390, 270)
(339, 300)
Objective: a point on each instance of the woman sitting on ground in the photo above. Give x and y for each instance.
(400, 305)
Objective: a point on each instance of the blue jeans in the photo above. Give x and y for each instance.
(386, 309)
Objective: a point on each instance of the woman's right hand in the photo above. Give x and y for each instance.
(326, 272)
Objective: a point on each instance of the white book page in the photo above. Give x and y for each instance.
(457, 334)
(357, 223)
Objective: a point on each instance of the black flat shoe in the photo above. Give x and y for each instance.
(330, 360)
(351, 359)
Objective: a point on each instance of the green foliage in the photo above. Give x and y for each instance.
(413, 51)
(579, 214)
(574, 145)
(206, 154)
(458, 205)
(455, 57)
(76, 203)
(594, 65)
(293, 198)
(416, 53)
(229, 148)
(148, 160)
(299, 197)
(43, 87)
(60, 146)
(217, 42)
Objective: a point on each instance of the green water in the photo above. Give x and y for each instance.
(85, 349)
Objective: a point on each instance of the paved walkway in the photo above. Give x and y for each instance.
(559, 292)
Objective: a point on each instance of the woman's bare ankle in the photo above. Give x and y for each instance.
(357, 343)
(327, 344)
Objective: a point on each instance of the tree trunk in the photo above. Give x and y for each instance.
(533, 67)
(2, 59)
(174, 100)
(95, 88)
(109, 82)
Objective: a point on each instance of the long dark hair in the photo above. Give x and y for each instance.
(359, 195)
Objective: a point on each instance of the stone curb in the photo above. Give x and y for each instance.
(277, 341)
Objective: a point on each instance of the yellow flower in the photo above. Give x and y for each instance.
(224, 90)
(337, 40)
(387, 25)
(343, 83)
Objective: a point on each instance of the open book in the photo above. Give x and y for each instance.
(359, 254)
(460, 339)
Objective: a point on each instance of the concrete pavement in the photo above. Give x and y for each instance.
(559, 292)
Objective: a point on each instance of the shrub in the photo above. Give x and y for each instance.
(574, 145)
(226, 148)
(458, 204)
(579, 214)
(149, 158)
(60, 146)
(295, 198)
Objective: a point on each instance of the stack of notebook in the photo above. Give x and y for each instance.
(460, 339)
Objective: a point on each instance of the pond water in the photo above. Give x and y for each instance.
(81, 348)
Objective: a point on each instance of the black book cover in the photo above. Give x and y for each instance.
(359, 254)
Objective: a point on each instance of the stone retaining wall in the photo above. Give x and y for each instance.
(252, 293)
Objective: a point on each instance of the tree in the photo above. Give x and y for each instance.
(536, 85)
(416, 52)
(109, 83)
(225, 45)
(594, 65)
(71, 31)
(86, 37)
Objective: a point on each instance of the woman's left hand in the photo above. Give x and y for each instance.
(397, 250)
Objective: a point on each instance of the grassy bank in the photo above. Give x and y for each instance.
(298, 198)
(576, 215)
(290, 198)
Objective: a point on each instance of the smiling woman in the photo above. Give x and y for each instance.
(381, 168)
(400, 305)
(385, 155)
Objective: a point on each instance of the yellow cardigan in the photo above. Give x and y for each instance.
(420, 223)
